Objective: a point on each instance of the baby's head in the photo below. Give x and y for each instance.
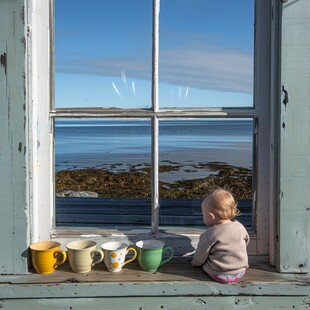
(220, 205)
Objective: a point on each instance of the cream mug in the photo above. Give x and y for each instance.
(115, 254)
(83, 255)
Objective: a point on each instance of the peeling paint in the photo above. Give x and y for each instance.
(22, 14)
(306, 301)
(3, 62)
(199, 301)
(285, 97)
(23, 41)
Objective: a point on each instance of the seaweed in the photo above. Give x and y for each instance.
(136, 181)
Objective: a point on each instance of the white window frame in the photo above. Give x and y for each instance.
(40, 82)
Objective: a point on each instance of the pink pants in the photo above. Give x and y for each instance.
(228, 278)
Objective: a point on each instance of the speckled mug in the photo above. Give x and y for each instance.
(115, 254)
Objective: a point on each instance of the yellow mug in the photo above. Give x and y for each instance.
(46, 256)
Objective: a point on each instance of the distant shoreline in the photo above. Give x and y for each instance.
(192, 163)
(135, 182)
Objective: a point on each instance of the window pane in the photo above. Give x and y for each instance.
(206, 53)
(103, 53)
(102, 172)
(198, 155)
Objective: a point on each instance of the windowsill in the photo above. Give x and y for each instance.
(183, 240)
(176, 278)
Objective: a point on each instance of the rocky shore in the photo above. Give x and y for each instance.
(136, 182)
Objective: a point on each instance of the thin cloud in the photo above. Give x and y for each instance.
(186, 94)
(123, 74)
(203, 68)
(133, 88)
(116, 90)
(180, 93)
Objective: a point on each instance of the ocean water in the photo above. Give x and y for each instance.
(118, 144)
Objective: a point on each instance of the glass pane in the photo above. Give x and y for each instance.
(103, 53)
(198, 155)
(102, 173)
(206, 53)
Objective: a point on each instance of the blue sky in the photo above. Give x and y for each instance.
(103, 53)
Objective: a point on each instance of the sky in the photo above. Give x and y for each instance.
(103, 53)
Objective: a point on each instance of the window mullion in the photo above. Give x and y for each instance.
(155, 52)
(155, 169)
(155, 108)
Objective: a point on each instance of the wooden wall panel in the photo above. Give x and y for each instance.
(149, 303)
(13, 145)
(294, 178)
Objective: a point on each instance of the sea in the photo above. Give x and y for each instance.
(120, 144)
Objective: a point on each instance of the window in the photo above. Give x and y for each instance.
(189, 66)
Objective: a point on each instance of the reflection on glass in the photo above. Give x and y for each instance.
(106, 163)
(199, 155)
(206, 53)
(103, 53)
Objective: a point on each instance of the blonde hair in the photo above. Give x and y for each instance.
(222, 204)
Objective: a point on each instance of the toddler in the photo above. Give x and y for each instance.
(221, 249)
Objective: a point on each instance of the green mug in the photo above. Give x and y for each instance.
(150, 254)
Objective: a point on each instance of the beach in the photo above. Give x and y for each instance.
(112, 158)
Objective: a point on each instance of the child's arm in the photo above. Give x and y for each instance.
(202, 251)
(247, 238)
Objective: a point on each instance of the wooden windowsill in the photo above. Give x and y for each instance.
(176, 278)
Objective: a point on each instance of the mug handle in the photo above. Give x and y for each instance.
(62, 260)
(97, 261)
(131, 259)
(167, 248)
